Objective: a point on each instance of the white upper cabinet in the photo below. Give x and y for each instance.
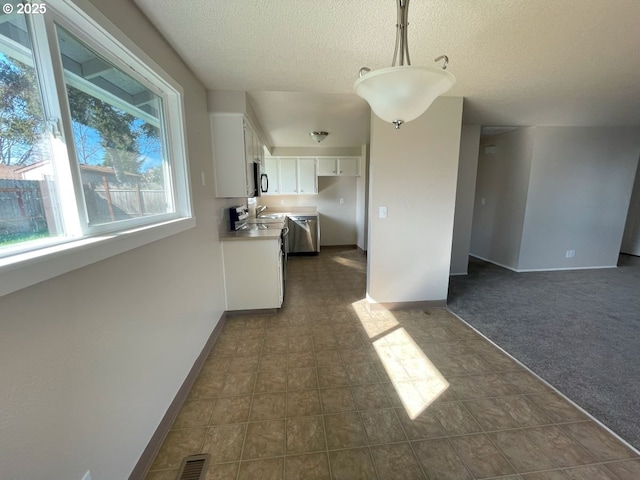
(349, 166)
(291, 175)
(288, 176)
(338, 166)
(273, 174)
(307, 179)
(234, 151)
(327, 166)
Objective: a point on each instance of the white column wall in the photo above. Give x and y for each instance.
(413, 172)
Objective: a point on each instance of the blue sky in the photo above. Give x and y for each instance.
(151, 159)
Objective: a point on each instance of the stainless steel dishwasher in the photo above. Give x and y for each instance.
(304, 234)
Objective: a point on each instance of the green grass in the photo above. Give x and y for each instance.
(12, 239)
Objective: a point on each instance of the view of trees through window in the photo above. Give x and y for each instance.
(27, 207)
(117, 137)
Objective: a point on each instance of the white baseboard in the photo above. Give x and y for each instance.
(557, 269)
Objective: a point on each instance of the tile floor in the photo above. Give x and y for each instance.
(325, 389)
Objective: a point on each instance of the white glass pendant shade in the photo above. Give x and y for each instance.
(403, 93)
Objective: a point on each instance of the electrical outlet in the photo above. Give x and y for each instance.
(482, 201)
(281, 202)
(87, 476)
(570, 254)
(341, 201)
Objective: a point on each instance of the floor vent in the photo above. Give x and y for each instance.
(193, 467)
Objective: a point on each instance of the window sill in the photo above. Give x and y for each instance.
(22, 270)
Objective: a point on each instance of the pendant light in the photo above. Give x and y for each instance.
(402, 93)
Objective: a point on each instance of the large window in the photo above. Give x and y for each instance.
(28, 204)
(92, 146)
(91, 137)
(118, 136)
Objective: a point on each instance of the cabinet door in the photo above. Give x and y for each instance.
(349, 166)
(288, 176)
(249, 156)
(327, 166)
(280, 275)
(272, 171)
(252, 274)
(307, 180)
(229, 155)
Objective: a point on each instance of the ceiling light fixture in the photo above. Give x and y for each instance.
(402, 93)
(319, 136)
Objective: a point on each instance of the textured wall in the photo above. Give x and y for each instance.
(631, 238)
(581, 182)
(501, 196)
(465, 195)
(92, 359)
(337, 221)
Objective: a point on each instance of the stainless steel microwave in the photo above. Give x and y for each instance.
(260, 178)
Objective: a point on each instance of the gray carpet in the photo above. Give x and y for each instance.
(579, 330)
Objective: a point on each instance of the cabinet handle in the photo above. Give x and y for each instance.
(340, 171)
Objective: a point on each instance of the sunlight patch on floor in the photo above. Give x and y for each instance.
(415, 378)
(350, 263)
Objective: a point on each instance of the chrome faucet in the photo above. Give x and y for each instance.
(260, 209)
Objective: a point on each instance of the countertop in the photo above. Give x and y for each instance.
(269, 234)
(272, 233)
(266, 234)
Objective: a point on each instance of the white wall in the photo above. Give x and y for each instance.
(362, 200)
(631, 237)
(316, 151)
(413, 172)
(465, 196)
(501, 196)
(552, 189)
(337, 221)
(236, 101)
(92, 359)
(579, 191)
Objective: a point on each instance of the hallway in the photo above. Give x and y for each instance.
(326, 389)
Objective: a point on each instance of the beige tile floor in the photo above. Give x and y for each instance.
(325, 389)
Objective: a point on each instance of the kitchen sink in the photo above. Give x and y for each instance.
(274, 216)
(260, 226)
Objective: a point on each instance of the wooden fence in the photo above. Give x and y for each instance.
(22, 210)
(26, 210)
(109, 203)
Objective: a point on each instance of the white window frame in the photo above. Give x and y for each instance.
(84, 244)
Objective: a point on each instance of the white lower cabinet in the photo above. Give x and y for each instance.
(253, 274)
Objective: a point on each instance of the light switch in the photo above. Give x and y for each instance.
(382, 212)
(202, 179)
(341, 201)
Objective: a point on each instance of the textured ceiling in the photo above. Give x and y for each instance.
(517, 62)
